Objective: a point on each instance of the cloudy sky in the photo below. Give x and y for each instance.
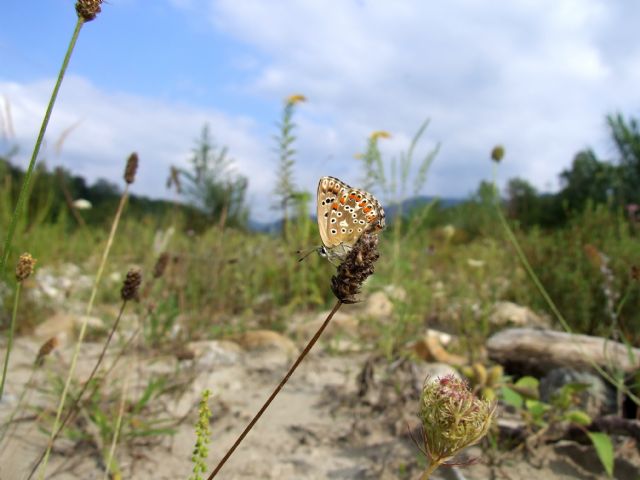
(538, 76)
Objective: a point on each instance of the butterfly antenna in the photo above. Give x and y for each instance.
(304, 253)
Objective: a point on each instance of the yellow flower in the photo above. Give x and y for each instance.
(295, 98)
(379, 134)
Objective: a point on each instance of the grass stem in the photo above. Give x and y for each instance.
(83, 327)
(12, 328)
(275, 392)
(24, 189)
(116, 431)
(55, 432)
(545, 295)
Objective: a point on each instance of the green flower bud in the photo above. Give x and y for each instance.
(452, 417)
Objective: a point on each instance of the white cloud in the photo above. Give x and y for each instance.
(537, 76)
(112, 125)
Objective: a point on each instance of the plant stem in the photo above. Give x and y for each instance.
(22, 196)
(427, 473)
(273, 395)
(12, 328)
(55, 432)
(83, 327)
(7, 425)
(116, 430)
(543, 291)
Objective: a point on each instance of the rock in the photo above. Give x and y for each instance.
(538, 351)
(265, 340)
(341, 324)
(443, 337)
(396, 292)
(346, 345)
(378, 305)
(598, 398)
(211, 353)
(65, 325)
(585, 460)
(430, 349)
(57, 285)
(474, 263)
(509, 313)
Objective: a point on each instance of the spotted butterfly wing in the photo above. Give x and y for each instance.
(344, 214)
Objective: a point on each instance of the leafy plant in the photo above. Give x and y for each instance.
(543, 418)
(212, 185)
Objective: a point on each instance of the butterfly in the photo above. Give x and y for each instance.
(344, 214)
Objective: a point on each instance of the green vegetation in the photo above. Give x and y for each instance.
(218, 278)
(571, 255)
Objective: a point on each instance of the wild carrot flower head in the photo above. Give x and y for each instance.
(452, 417)
(25, 266)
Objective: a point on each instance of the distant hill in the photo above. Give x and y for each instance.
(390, 211)
(418, 202)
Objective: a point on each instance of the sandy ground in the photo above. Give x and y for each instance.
(329, 422)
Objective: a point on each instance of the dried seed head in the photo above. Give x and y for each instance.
(25, 266)
(452, 417)
(161, 265)
(88, 9)
(131, 168)
(174, 179)
(635, 273)
(131, 285)
(497, 153)
(356, 268)
(46, 348)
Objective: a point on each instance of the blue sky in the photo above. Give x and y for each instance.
(537, 76)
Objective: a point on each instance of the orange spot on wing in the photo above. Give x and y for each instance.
(362, 203)
(342, 200)
(335, 206)
(352, 196)
(366, 209)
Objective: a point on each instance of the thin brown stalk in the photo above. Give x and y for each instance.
(273, 395)
(83, 327)
(76, 403)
